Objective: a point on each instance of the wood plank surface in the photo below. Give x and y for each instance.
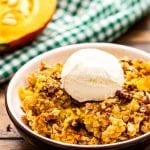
(138, 36)
(7, 129)
(15, 145)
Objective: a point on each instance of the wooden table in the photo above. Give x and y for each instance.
(138, 36)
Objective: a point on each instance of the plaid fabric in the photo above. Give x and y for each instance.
(78, 21)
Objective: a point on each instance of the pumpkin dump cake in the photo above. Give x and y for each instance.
(51, 112)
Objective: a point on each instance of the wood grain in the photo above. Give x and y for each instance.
(15, 145)
(135, 36)
(4, 119)
(138, 36)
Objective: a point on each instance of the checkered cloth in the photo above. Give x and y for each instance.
(78, 21)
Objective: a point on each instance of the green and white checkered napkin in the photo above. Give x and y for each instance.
(78, 21)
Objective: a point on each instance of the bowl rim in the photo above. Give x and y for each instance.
(28, 130)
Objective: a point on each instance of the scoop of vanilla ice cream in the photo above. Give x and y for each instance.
(91, 74)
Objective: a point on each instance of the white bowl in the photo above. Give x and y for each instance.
(13, 102)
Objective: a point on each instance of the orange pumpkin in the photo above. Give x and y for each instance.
(22, 20)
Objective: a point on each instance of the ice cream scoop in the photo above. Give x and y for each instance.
(91, 74)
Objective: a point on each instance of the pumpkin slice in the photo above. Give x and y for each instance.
(22, 20)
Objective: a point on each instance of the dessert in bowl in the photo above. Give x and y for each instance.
(47, 109)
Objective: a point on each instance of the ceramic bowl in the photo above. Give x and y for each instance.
(13, 102)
